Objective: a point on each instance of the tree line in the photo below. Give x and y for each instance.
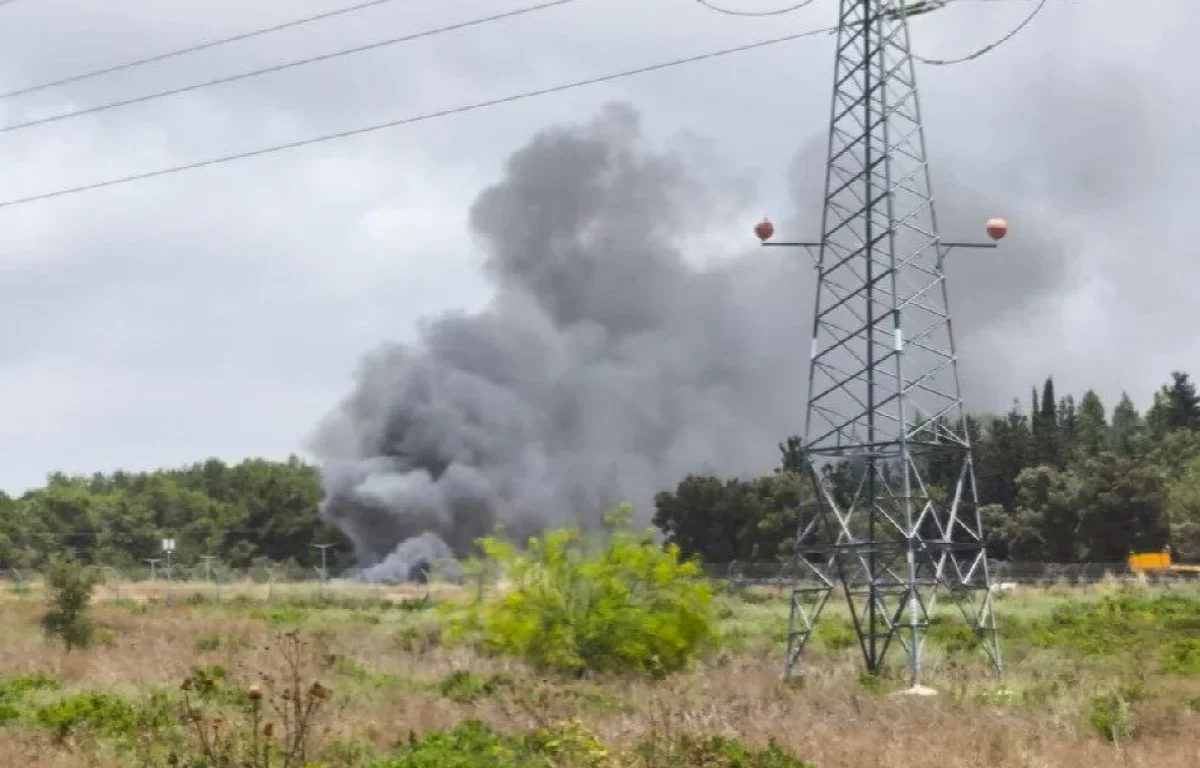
(1059, 480)
(246, 514)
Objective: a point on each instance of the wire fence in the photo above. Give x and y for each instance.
(291, 583)
(1002, 572)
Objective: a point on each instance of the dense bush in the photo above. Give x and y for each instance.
(69, 619)
(570, 745)
(573, 604)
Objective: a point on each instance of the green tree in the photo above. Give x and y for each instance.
(1176, 405)
(1121, 507)
(1005, 449)
(791, 455)
(1091, 430)
(1048, 500)
(1183, 511)
(1127, 428)
(69, 620)
(1046, 439)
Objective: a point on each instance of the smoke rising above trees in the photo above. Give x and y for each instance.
(606, 367)
(608, 364)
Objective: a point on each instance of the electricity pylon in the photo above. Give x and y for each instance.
(893, 519)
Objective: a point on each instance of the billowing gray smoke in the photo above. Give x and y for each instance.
(607, 366)
(604, 369)
(415, 559)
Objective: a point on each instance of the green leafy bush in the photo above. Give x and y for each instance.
(474, 745)
(103, 713)
(713, 752)
(1111, 714)
(69, 619)
(1132, 626)
(573, 605)
(569, 745)
(463, 686)
(14, 690)
(1181, 657)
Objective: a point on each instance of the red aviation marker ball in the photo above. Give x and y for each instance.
(764, 229)
(997, 228)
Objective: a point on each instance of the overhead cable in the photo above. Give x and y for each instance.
(770, 12)
(193, 48)
(283, 66)
(419, 118)
(989, 47)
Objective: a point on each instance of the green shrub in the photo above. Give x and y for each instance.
(208, 642)
(1111, 714)
(102, 713)
(14, 690)
(69, 619)
(463, 686)
(569, 745)
(1181, 657)
(713, 752)
(1130, 625)
(22, 685)
(571, 605)
(474, 745)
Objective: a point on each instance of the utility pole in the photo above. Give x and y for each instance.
(168, 547)
(893, 515)
(323, 571)
(208, 574)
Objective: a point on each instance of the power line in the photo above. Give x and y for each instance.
(419, 118)
(989, 47)
(776, 12)
(192, 48)
(285, 65)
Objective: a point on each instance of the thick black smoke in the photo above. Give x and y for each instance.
(607, 366)
(604, 369)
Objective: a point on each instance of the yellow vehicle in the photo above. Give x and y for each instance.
(1158, 562)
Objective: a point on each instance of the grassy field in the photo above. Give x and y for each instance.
(1108, 675)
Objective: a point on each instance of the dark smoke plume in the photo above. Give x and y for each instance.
(607, 365)
(604, 369)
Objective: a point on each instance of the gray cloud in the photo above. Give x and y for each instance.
(221, 312)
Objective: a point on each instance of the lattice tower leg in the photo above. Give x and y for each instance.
(893, 519)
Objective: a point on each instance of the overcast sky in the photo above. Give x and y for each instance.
(222, 312)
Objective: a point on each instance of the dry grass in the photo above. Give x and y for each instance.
(386, 680)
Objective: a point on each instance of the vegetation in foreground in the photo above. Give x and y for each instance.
(604, 653)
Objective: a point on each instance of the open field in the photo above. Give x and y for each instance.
(1098, 676)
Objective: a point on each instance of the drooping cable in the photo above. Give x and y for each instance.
(193, 48)
(770, 12)
(419, 118)
(283, 66)
(1037, 9)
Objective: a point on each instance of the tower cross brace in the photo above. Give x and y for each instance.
(893, 515)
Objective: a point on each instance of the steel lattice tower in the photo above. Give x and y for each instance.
(885, 418)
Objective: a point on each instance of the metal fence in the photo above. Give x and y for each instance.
(1001, 572)
(215, 576)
